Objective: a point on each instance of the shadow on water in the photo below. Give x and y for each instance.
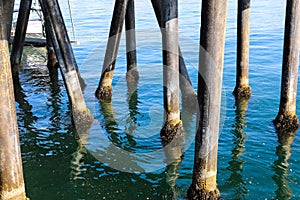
(281, 166)
(25, 108)
(236, 180)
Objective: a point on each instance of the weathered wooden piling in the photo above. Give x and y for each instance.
(104, 90)
(20, 33)
(189, 97)
(212, 39)
(51, 36)
(64, 53)
(54, 54)
(8, 15)
(242, 88)
(65, 44)
(11, 173)
(52, 60)
(287, 120)
(132, 74)
(172, 123)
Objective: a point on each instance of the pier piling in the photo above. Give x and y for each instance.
(8, 15)
(104, 90)
(189, 97)
(11, 172)
(52, 60)
(242, 88)
(287, 120)
(64, 53)
(172, 123)
(132, 74)
(212, 40)
(20, 34)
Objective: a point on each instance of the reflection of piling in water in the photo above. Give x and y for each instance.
(132, 72)
(172, 123)
(242, 88)
(132, 99)
(104, 90)
(189, 97)
(173, 152)
(212, 42)
(24, 105)
(77, 157)
(286, 119)
(11, 172)
(20, 33)
(236, 164)
(108, 112)
(111, 125)
(281, 166)
(173, 155)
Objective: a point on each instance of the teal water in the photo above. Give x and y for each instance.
(58, 164)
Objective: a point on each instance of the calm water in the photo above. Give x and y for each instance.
(58, 164)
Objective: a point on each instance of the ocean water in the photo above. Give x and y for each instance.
(121, 156)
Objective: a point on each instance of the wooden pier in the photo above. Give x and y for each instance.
(206, 103)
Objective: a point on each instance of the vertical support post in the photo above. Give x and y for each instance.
(132, 74)
(20, 33)
(64, 53)
(172, 123)
(63, 38)
(188, 94)
(51, 37)
(52, 60)
(104, 90)
(11, 172)
(212, 42)
(242, 88)
(287, 120)
(8, 15)
(61, 34)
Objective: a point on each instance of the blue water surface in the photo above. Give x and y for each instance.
(60, 164)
